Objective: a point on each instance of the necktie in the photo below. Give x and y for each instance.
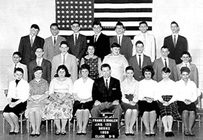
(107, 85)
(38, 63)
(32, 40)
(174, 40)
(75, 40)
(64, 59)
(119, 40)
(15, 67)
(54, 40)
(140, 62)
(165, 62)
(95, 38)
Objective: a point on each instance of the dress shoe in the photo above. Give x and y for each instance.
(11, 133)
(127, 133)
(79, 133)
(147, 134)
(186, 133)
(32, 135)
(191, 134)
(83, 133)
(57, 132)
(16, 133)
(153, 134)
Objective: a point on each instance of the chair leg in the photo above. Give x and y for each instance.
(141, 124)
(182, 127)
(46, 125)
(74, 124)
(21, 123)
(69, 125)
(136, 125)
(3, 125)
(51, 125)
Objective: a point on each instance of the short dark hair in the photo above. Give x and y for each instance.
(164, 47)
(173, 22)
(166, 70)
(54, 24)
(143, 22)
(63, 67)
(19, 69)
(17, 53)
(75, 22)
(115, 45)
(85, 66)
(64, 42)
(185, 52)
(148, 68)
(119, 23)
(129, 68)
(96, 23)
(105, 65)
(35, 26)
(184, 69)
(139, 42)
(37, 68)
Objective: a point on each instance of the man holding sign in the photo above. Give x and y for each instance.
(106, 94)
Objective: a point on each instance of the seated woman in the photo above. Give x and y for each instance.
(148, 108)
(93, 61)
(18, 93)
(36, 101)
(61, 106)
(83, 99)
(187, 95)
(129, 89)
(167, 96)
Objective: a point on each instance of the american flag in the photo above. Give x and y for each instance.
(129, 12)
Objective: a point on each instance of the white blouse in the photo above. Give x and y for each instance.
(167, 87)
(21, 91)
(65, 86)
(147, 88)
(82, 89)
(187, 91)
(129, 88)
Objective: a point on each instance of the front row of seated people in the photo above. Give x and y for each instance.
(167, 98)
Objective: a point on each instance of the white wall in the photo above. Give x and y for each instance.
(16, 17)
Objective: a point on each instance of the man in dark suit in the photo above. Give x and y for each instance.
(100, 41)
(106, 94)
(139, 61)
(40, 61)
(162, 62)
(176, 43)
(124, 41)
(29, 44)
(77, 42)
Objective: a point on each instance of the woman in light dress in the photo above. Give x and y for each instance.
(61, 104)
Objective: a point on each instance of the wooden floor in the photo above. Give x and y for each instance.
(72, 135)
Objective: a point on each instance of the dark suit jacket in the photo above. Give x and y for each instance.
(28, 52)
(46, 66)
(102, 46)
(159, 65)
(137, 71)
(102, 94)
(176, 51)
(80, 48)
(126, 46)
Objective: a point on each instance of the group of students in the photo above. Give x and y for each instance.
(109, 78)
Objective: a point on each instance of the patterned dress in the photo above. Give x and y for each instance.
(37, 90)
(60, 89)
(93, 63)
